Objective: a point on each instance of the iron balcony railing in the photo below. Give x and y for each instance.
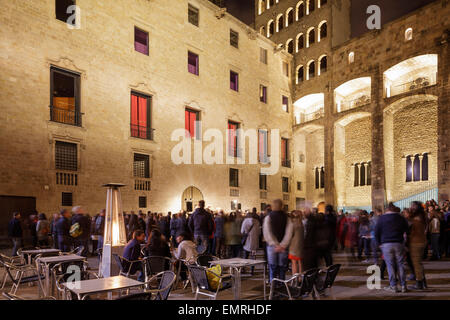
(67, 116)
(141, 132)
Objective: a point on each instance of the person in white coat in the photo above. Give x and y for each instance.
(251, 231)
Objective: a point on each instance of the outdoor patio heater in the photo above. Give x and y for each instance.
(115, 236)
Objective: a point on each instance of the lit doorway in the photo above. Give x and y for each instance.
(190, 198)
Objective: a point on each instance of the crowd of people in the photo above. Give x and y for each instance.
(303, 239)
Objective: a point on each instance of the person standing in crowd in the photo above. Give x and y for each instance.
(417, 241)
(201, 225)
(42, 230)
(250, 230)
(132, 225)
(232, 233)
(342, 226)
(325, 235)
(132, 252)
(364, 237)
(389, 233)
(435, 230)
(141, 221)
(33, 223)
(164, 227)
(278, 231)
(81, 237)
(296, 246)
(55, 219)
(373, 220)
(99, 228)
(219, 234)
(15, 232)
(309, 245)
(63, 231)
(173, 229)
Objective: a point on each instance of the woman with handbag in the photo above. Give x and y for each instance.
(250, 230)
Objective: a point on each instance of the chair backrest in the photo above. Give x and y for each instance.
(165, 285)
(330, 276)
(138, 296)
(157, 264)
(119, 262)
(199, 276)
(8, 266)
(309, 279)
(204, 259)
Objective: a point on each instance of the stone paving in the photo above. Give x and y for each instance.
(351, 283)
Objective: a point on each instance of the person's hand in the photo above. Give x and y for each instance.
(279, 249)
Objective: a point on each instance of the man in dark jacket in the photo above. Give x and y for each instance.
(164, 227)
(82, 240)
(132, 252)
(15, 232)
(389, 233)
(99, 228)
(63, 231)
(201, 225)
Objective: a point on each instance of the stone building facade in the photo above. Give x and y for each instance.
(374, 116)
(170, 56)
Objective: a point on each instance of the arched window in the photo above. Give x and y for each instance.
(416, 168)
(311, 37)
(290, 46)
(317, 178)
(311, 70)
(408, 34)
(270, 28)
(261, 6)
(300, 74)
(425, 167)
(362, 175)
(300, 42)
(300, 10)
(351, 57)
(262, 30)
(280, 23)
(271, 3)
(369, 173)
(322, 177)
(323, 32)
(323, 64)
(311, 6)
(408, 169)
(289, 17)
(356, 174)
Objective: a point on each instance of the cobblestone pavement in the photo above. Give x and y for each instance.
(351, 283)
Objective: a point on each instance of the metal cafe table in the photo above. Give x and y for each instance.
(236, 265)
(103, 285)
(49, 262)
(30, 254)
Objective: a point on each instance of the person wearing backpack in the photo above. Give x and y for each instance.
(80, 229)
(42, 230)
(250, 230)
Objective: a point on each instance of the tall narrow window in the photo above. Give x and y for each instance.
(140, 116)
(300, 75)
(311, 5)
(323, 31)
(61, 8)
(263, 55)
(234, 178)
(290, 47)
(416, 170)
(66, 156)
(285, 103)
(317, 178)
(369, 173)
(142, 202)
(141, 165)
(193, 63)
(323, 64)
(290, 17)
(263, 94)
(233, 141)
(234, 38)
(285, 153)
(65, 97)
(191, 119)
(234, 81)
(425, 167)
(193, 15)
(285, 184)
(141, 41)
(408, 169)
(300, 11)
(270, 28)
(311, 70)
(322, 177)
(280, 25)
(362, 175)
(262, 146)
(262, 181)
(311, 37)
(300, 42)
(356, 175)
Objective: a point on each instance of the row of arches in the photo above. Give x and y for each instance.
(311, 69)
(301, 42)
(302, 7)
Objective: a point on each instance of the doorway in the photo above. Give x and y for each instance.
(9, 204)
(190, 198)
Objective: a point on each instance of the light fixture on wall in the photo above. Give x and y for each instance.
(114, 238)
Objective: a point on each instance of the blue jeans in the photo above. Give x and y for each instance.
(435, 245)
(394, 256)
(278, 263)
(202, 242)
(17, 244)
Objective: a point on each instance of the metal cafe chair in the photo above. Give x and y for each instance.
(165, 280)
(156, 264)
(61, 278)
(205, 259)
(326, 280)
(200, 282)
(23, 274)
(126, 266)
(76, 251)
(11, 296)
(16, 260)
(299, 286)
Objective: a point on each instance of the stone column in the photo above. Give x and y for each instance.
(330, 190)
(443, 157)
(378, 169)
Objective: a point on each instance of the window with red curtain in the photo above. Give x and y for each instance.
(262, 146)
(232, 139)
(141, 41)
(193, 63)
(190, 117)
(140, 116)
